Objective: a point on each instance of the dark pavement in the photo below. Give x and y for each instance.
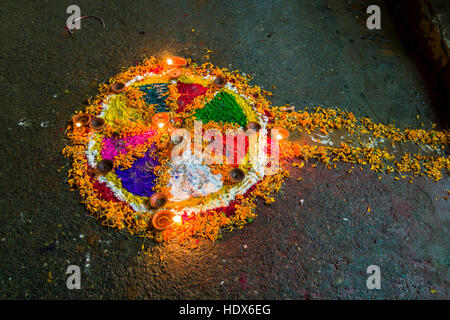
(316, 53)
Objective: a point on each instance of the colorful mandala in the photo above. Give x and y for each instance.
(135, 171)
(125, 141)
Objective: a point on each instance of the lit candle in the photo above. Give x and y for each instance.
(176, 219)
(281, 133)
(177, 62)
(160, 119)
(81, 120)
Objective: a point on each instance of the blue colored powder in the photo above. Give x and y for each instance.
(154, 94)
(139, 179)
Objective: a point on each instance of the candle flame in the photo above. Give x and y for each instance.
(161, 125)
(78, 124)
(177, 219)
(279, 137)
(169, 61)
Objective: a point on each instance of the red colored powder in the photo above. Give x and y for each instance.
(188, 92)
(155, 70)
(244, 282)
(104, 192)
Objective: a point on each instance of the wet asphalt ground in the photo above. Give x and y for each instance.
(315, 53)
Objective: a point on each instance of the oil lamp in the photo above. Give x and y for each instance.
(174, 73)
(163, 219)
(236, 175)
(117, 87)
(97, 124)
(281, 133)
(177, 62)
(105, 166)
(81, 120)
(255, 126)
(220, 82)
(160, 119)
(158, 200)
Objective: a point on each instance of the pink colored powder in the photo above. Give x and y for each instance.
(112, 146)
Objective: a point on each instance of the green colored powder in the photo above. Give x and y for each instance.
(223, 108)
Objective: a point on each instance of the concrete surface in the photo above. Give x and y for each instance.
(424, 26)
(315, 52)
(441, 12)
